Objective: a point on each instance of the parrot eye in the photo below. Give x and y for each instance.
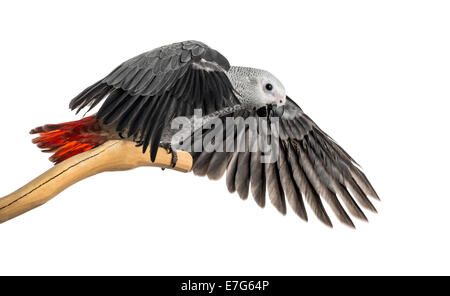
(269, 86)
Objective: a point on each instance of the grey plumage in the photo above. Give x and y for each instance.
(276, 193)
(311, 167)
(257, 179)
(242, 179)
(231, 173)
(201, 165)
(218, 165)
(142, 96)
(173, 79)
(305, 187)
(291, 191)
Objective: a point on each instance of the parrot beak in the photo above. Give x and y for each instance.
(270, 110)
(267, 111)
(262, 112)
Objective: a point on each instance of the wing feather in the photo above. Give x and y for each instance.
(172, 79)
(310, 166)
(242, 178)
(231, 173)
(290, 188)
(276, 193)
(306, 188)
(257, 179)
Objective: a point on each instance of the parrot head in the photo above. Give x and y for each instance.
(257, 88)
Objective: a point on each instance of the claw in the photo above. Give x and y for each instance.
(174, 158)
(169, 149)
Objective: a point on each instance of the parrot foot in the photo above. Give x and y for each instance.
(169, 149)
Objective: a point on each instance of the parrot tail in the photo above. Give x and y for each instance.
(69, 138)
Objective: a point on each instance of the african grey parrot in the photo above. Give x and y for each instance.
(143, 95)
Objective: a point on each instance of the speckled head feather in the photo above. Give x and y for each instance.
(257, 88)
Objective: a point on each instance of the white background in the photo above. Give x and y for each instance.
(374, 74)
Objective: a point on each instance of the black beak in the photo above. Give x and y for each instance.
(267, 111)
(270, 110)
(262, 112)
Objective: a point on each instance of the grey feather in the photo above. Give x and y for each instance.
(106, 109)
(218, 165)
(257, 179)
(334, 187)
(231, 173)
(363, 183)
(312, 170)
(140, 76)
(290, 189)
(201, 164)
(359, 195)
(276, 194)
(143, 84)
(196, 51)
(306, 188)
(185, 57)
(242, 178)
(118, 113)
(338, 168)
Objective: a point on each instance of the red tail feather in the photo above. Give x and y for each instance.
(70, 138)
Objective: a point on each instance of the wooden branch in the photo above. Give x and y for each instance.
(115, 155)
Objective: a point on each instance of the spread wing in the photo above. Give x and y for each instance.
(142, 95)
(310, 166)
